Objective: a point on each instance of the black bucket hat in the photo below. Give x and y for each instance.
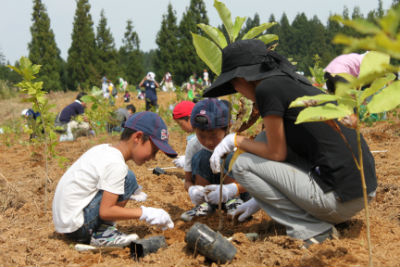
(248, 59)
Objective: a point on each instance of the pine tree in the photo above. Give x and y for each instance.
(81, 63)
(43, 49)
(189, 62)
(284, 33)
(167, 41)
(130, 56)
(107, 57)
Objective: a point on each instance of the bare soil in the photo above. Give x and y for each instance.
(27, 236)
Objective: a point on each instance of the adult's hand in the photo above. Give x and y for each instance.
(245, 210)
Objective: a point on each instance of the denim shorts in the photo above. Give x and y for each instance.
(91, 211)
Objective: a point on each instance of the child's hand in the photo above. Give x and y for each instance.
(157, 217)
(225, 146)
(246, 210)
(179, 162)
(228, 192)
(197, 194)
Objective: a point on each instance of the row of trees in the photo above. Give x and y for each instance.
(93, 55)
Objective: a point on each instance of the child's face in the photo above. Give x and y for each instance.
(144, 151)
(185, 125)
(210, 138)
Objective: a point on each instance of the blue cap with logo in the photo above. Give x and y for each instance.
(153, 126)
(211, 113)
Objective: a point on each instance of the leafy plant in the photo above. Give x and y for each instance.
(44, 129)
(317, 73)
(100, 113)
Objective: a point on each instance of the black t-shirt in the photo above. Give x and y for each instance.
(333, 167)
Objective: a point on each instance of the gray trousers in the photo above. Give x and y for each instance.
(290, 197)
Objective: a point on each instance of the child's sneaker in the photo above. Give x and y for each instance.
(109, 236)
(232, 204)
(203, 209)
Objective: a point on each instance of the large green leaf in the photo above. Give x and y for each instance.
(373, 62)
(267, 38)
(314, 100)
(323, 113)
(387, 44)
(253, 32)
(360, 25)
(237, 26)
(387, 99)
(215, 34)
(390, 22)
(209, 52)
(226, 18)
(376, 86)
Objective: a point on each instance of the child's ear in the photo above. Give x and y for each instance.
(137, 137)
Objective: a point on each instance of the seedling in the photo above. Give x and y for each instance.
(45, 129)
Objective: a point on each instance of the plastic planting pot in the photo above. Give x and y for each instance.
(142, 247)
(202, 239)
(158, 171)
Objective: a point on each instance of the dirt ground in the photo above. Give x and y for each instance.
(27, 236)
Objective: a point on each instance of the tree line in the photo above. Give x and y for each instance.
(93, 54)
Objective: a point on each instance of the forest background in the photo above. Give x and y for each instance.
(93, 53)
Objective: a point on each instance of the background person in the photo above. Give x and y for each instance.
(120, 116)
(30, 117)
(67, 119)
(347, 63)
(150, 85)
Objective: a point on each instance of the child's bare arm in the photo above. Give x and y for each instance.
(111, 210)
(188, 180)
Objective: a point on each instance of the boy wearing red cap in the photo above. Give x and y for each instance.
(93, 192)
(181, 115)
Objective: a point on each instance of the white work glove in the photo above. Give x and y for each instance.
(197, 194)
(246, 210)
(157, 217)
(179, 161)
(139, 195)
(225, 146)
(228, 192)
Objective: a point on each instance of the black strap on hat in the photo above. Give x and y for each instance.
(274, 60)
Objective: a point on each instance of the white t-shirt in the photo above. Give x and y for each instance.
(100, 168)
(193, 146)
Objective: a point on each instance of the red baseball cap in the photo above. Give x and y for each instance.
(183, 109)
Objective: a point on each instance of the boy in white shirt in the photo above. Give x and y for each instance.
(93, 192)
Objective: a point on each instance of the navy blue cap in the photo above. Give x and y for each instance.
(214, 111)
(153, 126)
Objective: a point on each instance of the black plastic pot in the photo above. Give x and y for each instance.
(158, 171)
(202, 239)
(142, 247)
